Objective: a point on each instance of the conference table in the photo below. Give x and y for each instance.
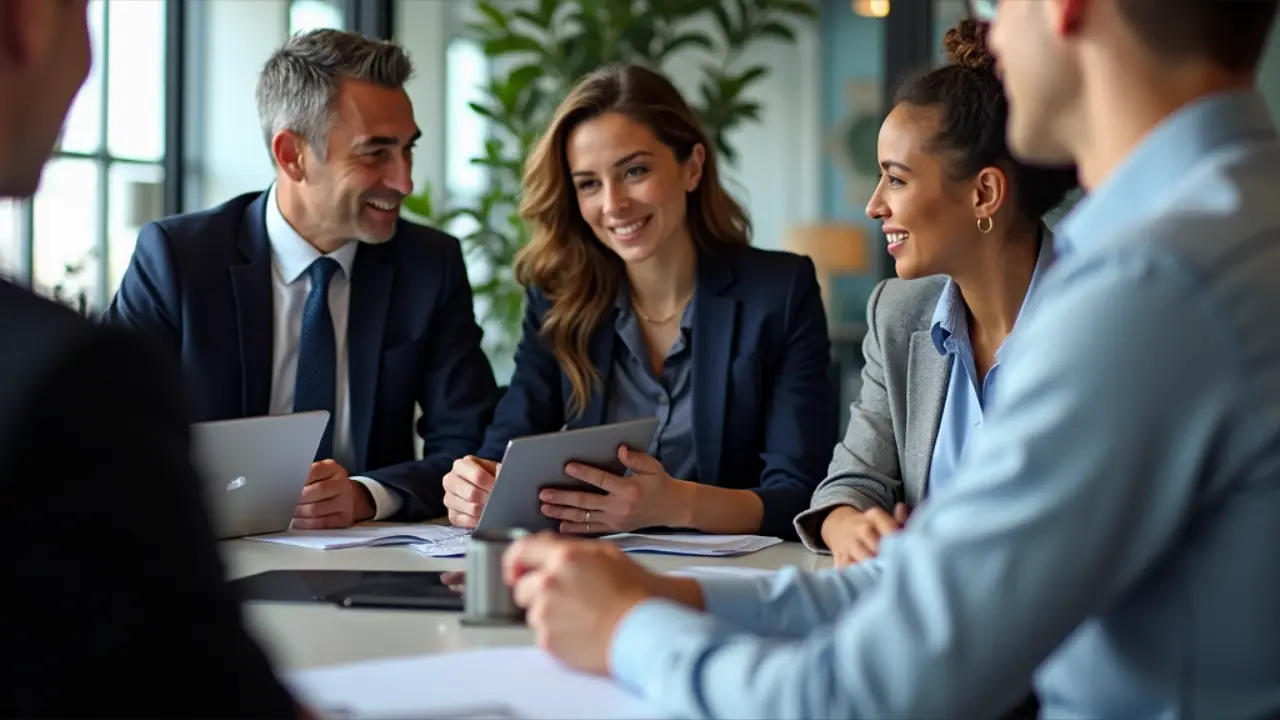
(300, 636)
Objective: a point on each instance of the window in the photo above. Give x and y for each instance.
(81, 235)
(65, 224)
(307, 15)
(10, 239)
(467, 71)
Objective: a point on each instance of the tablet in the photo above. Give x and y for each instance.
(535, 462)
(415, 590)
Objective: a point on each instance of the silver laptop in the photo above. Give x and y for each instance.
(254, 469)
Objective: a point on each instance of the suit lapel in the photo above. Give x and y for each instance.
(714, 321)
(371, 281)
(928, 373)
(251, 286)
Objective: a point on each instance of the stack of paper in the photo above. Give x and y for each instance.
(673, 544)
(366, 535)
(721, 571)
(452, 546)
(692, 543)
(461, 685)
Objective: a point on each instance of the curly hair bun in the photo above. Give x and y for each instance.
(966, 45)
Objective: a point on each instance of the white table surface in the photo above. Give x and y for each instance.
(298, 635)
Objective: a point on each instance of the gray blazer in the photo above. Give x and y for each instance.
(888, 447)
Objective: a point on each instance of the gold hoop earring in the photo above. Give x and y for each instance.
(986, 228)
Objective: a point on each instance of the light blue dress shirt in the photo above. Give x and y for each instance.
(965, 401)
(1112, 528)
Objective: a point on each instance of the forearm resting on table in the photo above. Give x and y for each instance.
(721, 511)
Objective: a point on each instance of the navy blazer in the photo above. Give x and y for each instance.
(763, 413)
(202, 282)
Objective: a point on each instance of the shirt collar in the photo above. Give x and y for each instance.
(293, 254)
(949, 316)
(1145, 180)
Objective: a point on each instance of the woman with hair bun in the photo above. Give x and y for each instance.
(964, 224)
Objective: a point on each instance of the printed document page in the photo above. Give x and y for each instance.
(533, 686)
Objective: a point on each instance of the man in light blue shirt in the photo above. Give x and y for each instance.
(1112, 527)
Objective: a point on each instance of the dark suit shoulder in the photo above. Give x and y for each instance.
(777, 267)
(223, 219)
(51, 336)
(907, 304)
(761, 278)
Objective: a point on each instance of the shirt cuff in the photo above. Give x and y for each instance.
(640, 652)
(385, 502)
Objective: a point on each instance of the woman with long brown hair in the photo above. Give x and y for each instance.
(645, 298)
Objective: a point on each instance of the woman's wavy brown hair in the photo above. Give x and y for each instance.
(564, 260)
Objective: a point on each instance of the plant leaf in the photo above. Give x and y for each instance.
(519, 80)
(776, 29)
(511, 43)
(726, 24)
(482, 111)
(418, 204)
(745, 111)
(493, 14)
(533, 19)
(689, 40)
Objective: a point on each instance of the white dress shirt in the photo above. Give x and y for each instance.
(291, 255)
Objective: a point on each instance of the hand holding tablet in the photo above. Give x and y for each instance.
(537, 462)
(645, 497)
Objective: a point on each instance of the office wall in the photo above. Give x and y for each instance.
(852, 67)
(777, 174)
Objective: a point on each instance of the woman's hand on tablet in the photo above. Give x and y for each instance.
(649, 497)
(467, 487)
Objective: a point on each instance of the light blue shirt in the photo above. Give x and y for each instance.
(962, 408)
(1113, 528)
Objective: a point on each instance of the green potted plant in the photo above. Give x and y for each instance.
(550, 44)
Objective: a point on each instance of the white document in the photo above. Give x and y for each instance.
(692, 543)
(715, 571)
(674, 544)
(452, 546)
(521, 683)
(364, 535)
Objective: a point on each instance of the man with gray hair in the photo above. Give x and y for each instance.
(315, 295)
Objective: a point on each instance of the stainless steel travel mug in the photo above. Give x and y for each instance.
(486, 598)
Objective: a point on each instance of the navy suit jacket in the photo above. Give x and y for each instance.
(763, 411)
(202, 282)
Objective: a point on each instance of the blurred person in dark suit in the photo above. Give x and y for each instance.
(116, 604)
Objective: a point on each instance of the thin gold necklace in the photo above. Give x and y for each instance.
(644, 316)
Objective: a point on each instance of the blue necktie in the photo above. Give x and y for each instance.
(317, 352)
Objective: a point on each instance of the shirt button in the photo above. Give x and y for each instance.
(662, 398)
